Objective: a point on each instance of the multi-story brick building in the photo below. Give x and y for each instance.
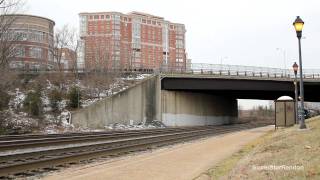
(113, 40)
(32, 41)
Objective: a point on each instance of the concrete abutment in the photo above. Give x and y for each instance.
(180, 108)
(146, 101)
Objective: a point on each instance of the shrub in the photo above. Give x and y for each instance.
(74, 97)
(55, 96)
(4, 100)
(32, 103)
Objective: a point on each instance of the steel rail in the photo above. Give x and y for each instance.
(24, 162)
(36, 136)
(38, 142)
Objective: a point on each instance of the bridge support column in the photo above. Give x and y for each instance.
(181, 108)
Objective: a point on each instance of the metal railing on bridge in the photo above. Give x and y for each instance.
(238, 70)
(199, 68)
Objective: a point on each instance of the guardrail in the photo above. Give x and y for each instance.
(238, 70)
(199, 68)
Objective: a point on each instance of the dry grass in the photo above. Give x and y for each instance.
(223, 168)
(283, 148)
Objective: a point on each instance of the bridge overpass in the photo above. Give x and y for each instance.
(207, 94)
(198, 96)
(241, 82)
(239, 87)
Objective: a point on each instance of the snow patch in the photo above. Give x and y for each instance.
(17, 101)
(88, 102)
(18, 122)
(131, 126)
(137, 77)
(45, 102)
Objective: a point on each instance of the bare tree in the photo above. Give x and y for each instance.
(64, 38)
(65, 48)
(5, 4)
(74, 47)
(100, 78)
(8, 48)
(8, 9)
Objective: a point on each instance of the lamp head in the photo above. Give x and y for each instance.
(298, 26)
(295, 68)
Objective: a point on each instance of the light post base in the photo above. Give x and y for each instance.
(302, 126)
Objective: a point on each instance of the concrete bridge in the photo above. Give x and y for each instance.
(240, 87)
(194, 97)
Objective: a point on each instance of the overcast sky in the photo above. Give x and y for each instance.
(244, 32)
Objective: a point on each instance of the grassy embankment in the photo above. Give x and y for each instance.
(296, 154)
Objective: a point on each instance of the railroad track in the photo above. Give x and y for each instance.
(32, 154)
(28, 141)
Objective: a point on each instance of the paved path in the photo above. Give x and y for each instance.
(181, 162)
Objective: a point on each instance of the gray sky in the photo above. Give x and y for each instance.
(244, 32)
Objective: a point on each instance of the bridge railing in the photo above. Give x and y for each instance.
(237, 70)
(198, 68)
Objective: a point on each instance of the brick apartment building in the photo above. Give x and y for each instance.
(32, 39)
(112, 40)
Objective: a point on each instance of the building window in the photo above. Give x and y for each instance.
(35, 52)
(179, 43)
(96, 16)
(17, 64)
(50, 56)
(20, 52)
(36, 36)
(116, 17)
(136, 34)
(83, 25)
(180, 30)
(179, 60)
(19, 35)
(102, 17)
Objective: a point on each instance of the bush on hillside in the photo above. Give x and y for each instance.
(32, 103)
(55, 96)
(74, 97)
(4, 100)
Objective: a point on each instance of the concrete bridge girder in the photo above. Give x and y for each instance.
(264, 89)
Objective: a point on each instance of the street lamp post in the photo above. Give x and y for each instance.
(298, 25)
(284, 60)
(295, 70)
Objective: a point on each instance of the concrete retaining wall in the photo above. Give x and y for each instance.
(190, 109)
(136, 104)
